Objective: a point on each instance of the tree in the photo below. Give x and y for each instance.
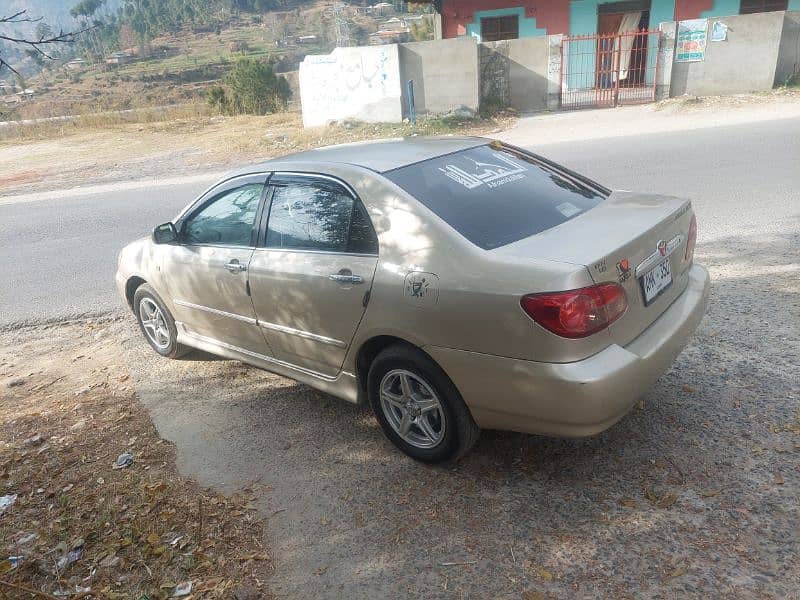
(42, 39)
(252, 88)
(85, 8)
(217, 98)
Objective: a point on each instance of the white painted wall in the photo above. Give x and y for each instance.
(359, 83)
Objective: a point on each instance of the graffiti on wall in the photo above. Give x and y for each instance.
(351, 83)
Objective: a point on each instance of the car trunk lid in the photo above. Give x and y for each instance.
(625, 239)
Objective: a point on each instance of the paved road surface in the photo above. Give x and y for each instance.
(58, 257)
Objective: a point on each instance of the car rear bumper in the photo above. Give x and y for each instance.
(579, 398)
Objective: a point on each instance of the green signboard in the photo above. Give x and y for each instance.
(691, 42)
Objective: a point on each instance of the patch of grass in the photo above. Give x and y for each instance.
(104, 120)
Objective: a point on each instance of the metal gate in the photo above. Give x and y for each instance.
(609, 69)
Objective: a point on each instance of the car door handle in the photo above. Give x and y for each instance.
(235, 266)
(343, 278)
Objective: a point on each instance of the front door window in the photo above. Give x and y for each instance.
(228, 220)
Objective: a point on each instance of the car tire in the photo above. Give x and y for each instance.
(437, 424)
(156, 323)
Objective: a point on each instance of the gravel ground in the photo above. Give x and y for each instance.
(694, 493)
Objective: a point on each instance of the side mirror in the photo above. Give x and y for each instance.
(165, 234)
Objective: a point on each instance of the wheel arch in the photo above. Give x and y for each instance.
(131, 285)
(370, 349)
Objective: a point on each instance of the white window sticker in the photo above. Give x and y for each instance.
(568, 209)
(474, 173)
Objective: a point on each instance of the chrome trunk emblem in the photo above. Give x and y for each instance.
(663, 249)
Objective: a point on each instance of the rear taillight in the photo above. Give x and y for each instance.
(691, 240)
(577, 313)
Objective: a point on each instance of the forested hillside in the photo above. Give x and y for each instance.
(144, 53)
(115, 25)
(54, 12)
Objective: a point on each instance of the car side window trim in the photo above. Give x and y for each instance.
(213, 194)
(215, 189)
(261, 242)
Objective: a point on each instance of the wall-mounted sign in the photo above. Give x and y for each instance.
(719, 31)
(691, 40)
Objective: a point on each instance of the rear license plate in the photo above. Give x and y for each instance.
(656, 281)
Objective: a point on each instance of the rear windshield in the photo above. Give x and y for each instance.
(494, 197)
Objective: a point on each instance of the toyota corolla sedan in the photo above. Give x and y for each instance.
(452, 283)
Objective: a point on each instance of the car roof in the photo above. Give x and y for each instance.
(377, 155)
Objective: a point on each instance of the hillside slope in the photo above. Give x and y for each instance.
(53, 12)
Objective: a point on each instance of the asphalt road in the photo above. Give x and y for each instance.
(57, 257)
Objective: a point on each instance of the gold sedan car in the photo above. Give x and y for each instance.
(452, 283)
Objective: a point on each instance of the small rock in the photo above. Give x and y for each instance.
(110, 561)
(34, 440)
(462, 112)
(7, 501)
(124, 460)
(16, 382)
(184, 589)
(27, 539)
(78, 426)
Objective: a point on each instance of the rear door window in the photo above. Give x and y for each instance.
(494, 197)
(310, 213)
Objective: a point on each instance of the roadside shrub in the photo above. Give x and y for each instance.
(251, 87)
(216, 98)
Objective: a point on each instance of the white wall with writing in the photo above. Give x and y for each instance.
(351, 83)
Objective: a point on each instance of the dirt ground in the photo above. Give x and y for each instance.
(77, 526)
(61, 155)
(693, 494)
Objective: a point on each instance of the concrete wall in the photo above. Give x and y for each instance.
(788, 66)
(745, 62)
(444, 72)
(359, 83)
(515, 73)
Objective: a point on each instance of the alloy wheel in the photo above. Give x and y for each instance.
(412, 408)
(154, 324)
